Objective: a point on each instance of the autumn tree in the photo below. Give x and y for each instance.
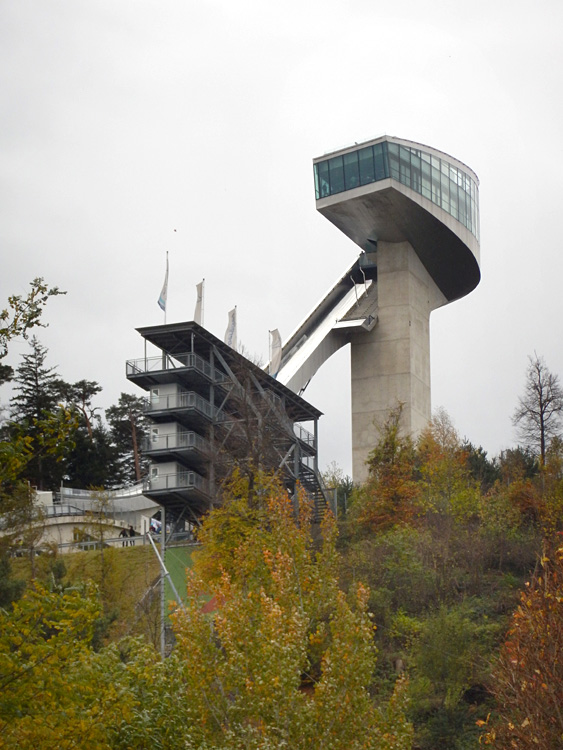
(528, 678)
(391, 494)
(55, 690)
(280, 656)
(445, 475)
(538, 415)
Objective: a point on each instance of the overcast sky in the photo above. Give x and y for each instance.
(134, 127)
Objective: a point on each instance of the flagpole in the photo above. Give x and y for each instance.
(203, 303)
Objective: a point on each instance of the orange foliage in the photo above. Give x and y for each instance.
(529, 673)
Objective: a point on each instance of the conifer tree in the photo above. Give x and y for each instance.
(38, 389)
(36, 410)
(128, 428)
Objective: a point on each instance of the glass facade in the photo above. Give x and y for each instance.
(430, 176)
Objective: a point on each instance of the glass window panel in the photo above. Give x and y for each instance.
(426, 186)
(367, 169)
(393, 151)
(324, 181)
(386, 169)
(436, 192)
(436, 163)
(453, 200)
(380, 159)
(336, 172)
(416, 183)
(445, 185)
(404, 166)
(462, 205)
(317, 191)
(425, 157)
(351, 170)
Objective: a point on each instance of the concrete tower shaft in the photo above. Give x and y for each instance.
(391, 363)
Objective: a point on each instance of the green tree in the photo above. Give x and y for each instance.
(36, 410)
(22, 315)
(128, 428)
(482, 469)
(55, 691)
(93, 460)
(78, 397)
(38, 389)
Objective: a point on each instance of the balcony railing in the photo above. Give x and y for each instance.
(304, 435)
(175, 440)
(183, 400)
(179, 361)
(176, 481)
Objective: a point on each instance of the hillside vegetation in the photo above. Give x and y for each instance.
(428, 614)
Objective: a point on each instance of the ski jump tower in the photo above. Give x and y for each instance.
(414, 213)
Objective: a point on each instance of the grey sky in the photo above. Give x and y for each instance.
(122, 121)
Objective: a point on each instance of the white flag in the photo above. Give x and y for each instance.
(164, 292)
(276, 352)
(231, 332)
(198, 314)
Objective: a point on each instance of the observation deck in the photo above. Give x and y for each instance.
(395, 190)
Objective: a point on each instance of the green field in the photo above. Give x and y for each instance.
(177, 559)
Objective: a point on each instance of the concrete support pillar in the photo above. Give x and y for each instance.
(391, 363)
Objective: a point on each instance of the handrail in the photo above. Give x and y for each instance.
(71, 492)
(304, 435)
(183, 400)
(176, 480)
(182, 439)
(177, 362)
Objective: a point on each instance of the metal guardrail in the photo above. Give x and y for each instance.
(52, 511)
(183, 439)
(181, 538)
(72, 493)
(176, 480)
(304, 435)
(183, 400)
(179, 361)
